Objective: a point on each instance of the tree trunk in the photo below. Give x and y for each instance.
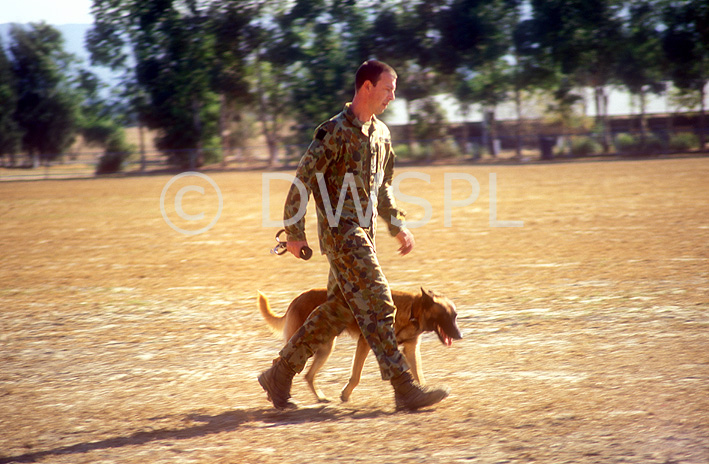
(409, 129)
(465, 131)
(601, 116)
(196, 157)
(224, 118)
(643, 118)
(518, 127)
(272, 151)
(492, 131)
(702, 126)
(141, 141)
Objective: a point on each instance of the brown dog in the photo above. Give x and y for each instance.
(416, 313)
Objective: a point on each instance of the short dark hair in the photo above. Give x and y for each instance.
(371, 70)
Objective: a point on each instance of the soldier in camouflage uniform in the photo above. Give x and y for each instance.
(348, 169)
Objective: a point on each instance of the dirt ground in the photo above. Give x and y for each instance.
(586, 330)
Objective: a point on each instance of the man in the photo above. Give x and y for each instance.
(348, 168)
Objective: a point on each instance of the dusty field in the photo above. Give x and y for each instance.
(586, 331)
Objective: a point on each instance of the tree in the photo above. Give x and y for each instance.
(490, 87)
(173, 51)
(47, 109)
(10, 133)
(582, 37)
(686, 44)
(303, 62)
(230, 22)
(276, 48)
(476, 44)
(401, 34)
(641, 61)
(101, 126)
(533, 70)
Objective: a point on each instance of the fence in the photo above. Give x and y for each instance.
(84, 164)
(537, 147)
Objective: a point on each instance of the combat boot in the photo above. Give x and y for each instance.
(277, 382)
(409, 395)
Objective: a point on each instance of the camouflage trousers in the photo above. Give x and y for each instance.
(356, 286)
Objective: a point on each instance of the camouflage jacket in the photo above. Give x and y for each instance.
(348, 168)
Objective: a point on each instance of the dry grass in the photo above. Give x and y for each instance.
(585, 331)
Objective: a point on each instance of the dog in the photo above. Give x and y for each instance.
(416, 313)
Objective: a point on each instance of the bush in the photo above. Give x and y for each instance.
(628, 144)
(584, 146)
(445, 148)
(684, 141)
(212, 151)
(110, 163)
(625, 143)
(402, 151)
(653, 145)
(416, 152)
(117, 152)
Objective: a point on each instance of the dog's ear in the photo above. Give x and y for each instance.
(426, 298)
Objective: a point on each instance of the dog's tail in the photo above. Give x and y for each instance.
(275, 323)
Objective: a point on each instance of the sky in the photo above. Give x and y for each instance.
(55, 12)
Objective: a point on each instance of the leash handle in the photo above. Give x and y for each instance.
(305, 253)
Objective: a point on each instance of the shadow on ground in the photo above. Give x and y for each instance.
(202, 425)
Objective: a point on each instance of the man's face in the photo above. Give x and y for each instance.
(383, 93)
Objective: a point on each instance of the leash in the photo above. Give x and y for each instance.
(282, 247)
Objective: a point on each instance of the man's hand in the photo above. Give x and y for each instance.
(406, 240)
(295, 247)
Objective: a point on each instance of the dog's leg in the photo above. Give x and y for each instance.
(319, 359)
(357, 365)
(412, 352)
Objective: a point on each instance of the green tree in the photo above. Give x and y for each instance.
(686, 44)
(305, 56)
(230, 22)
(476, 43)
(401, 34)
(641, 61)
(10, 133)
(276, 52)
(173, 52)
(583, 37)
(328, 41)
(100, 125)
(532, 69)
(47, 109)
(491, 86)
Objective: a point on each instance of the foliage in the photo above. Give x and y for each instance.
(685, 41)
(429, 120)
(195, 70)
(627, 144)
(46, 109)
(118, 151)
(174, 48)
(582, 38)
(10, 133)
(445, 148)
(684, 141)
(585, 146)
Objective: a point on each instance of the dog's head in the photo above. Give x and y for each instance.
(438, 315)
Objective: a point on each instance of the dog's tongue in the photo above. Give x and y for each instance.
(444, 336)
